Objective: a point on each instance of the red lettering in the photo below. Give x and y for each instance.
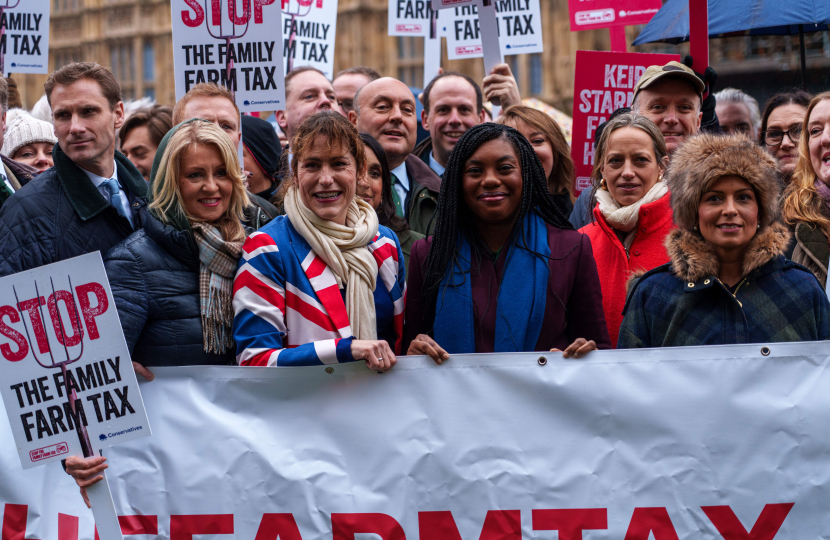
(31, 306)
(258, 9)
(498, 525)
(345, 526)
(646, 521)
(139, 524)
(246, 11)
(184, 527)
(278, 527)
(14, 522)
(12, 334)
(57, 320)
(88, 312)
(731, 528)
(190, 21)
(68, 527)
(570, 522)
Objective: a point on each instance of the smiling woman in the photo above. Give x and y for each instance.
(728, 280)
(172, 280)
(324, 283)
(505, 271)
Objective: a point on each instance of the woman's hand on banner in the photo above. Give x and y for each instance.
(143, 371)
(501, 84)
(423, 344)
(86, 471)
(578, 348)
(377, 354)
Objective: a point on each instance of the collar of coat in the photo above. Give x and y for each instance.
(421, 175)
(82, 193)
(692, 258)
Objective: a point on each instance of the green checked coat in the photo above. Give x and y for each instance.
(683, 302)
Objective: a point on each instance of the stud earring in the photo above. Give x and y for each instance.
(694, 228)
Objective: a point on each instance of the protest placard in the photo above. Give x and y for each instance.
(604, 82)
(593, 14)
(410, 17)
(68, 382)
(235, 43)
(24, 43)
(518, 23)
(309, 29)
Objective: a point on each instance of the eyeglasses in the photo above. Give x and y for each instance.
(773, 137)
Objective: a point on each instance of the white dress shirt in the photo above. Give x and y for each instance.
(402, 185)
(98, 182)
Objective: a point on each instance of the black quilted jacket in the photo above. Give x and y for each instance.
(60, 214)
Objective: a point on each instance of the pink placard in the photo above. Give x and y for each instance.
(604, 82)
(591, 14)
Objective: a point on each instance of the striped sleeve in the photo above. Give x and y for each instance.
(391, 270)
(259, 303)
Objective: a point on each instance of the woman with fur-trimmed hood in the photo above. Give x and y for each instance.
(728, 281)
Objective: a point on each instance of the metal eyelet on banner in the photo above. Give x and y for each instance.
(329, 370)
(765, 351)
(542, 360)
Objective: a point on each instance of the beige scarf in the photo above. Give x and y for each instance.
(343, 249)
(624, 218)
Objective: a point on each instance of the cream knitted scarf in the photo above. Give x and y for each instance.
(343, 249)
(624, 218)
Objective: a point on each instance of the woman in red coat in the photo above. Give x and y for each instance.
(632, 216)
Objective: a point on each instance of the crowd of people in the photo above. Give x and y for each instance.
(707, 223)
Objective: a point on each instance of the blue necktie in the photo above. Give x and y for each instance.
(115, 198)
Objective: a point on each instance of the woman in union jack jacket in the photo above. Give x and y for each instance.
(324, 283)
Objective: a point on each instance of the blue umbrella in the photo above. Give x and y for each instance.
(757, 17)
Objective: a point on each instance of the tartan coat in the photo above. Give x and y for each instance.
(289, 310)
(684, 303)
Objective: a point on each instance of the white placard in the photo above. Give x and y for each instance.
(69, 342)
(235, 43)
(519, 25)
(410, 17)
(24, 45)
(691, 443)
(309, 28)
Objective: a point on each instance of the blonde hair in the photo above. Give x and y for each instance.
(801, 199)
(167, 197)
(562, 176)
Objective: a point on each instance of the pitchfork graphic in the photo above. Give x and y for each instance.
(215, 7)
(51, 363)
(4, 5)
(296, 8)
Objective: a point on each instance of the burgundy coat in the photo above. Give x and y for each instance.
(574, 298)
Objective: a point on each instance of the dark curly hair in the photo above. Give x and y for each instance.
(453, 218)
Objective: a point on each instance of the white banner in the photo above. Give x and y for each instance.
(24, 45)
(309, 29)
(519, 29)
(719, 442)
(64, 363)
(234, 43)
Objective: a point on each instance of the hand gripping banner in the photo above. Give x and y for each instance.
(724, 442)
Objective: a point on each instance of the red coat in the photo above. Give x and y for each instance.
(615, 267)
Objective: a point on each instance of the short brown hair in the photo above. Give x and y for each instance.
(370, 73)
(75, 71)
(158, 119)
(296, 71)
(201, 90)
(562, 176)
(339, 133)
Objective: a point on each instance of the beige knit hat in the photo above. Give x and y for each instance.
(26, 129)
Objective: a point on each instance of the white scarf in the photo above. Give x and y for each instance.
(343, 249)
(624, 218)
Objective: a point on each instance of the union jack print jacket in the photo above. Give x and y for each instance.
(288, 308)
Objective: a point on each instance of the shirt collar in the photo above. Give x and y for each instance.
(98, 180)
(435, 166)
(400, 174)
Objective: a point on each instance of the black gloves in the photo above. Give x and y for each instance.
(709, 123)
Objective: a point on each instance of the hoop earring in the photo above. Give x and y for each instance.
(602, 183)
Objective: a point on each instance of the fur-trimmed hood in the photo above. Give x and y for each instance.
(705, 158)
(693, 258)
